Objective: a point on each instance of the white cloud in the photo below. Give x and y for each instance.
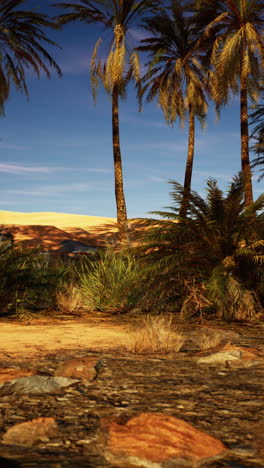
(17, 169)
(157, 179)
(51, 190)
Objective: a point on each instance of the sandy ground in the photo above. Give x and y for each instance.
(21, 340)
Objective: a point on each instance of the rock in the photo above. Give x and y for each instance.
(31, 432)
(35, 384)
(151, 440)
(228, 353)
(85, 368)
(9, 373)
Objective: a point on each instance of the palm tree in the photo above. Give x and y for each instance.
(257, 119)
(215, 255)
(236, 28)
(22, 37)
(115, 71)
(176, 76)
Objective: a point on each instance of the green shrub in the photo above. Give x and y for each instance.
(112, 281)
(212, 258)
(28, 280)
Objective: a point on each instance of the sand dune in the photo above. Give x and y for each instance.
(49, 230)
(53, 219)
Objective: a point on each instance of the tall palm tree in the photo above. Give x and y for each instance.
(176, 76)
(22, 35)
(115, 70)
(236, 28)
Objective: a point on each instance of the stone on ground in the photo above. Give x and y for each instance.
(152, 440)
(31, 432)
(35, 384)
(228, 353)
(83, 368)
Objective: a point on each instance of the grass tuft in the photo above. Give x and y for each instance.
(209, 339)
(155, 334)
(68, 299)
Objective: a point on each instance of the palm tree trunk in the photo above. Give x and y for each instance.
(119, 190)
(245, 162)
(189, 164)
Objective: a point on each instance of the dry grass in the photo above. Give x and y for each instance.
(68, 300)
(209, 339)
(154, 334)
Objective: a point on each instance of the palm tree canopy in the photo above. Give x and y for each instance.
(257, 121)
(174, 75)
(22, 35)
(118, 16)
(218, 227)
(110, 13)
(236, 27)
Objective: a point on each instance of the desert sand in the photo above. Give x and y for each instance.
(53, 219)
(48, 230)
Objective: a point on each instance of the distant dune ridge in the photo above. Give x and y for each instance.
(48, 230)
(54, 219)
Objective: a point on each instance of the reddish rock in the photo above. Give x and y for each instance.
(82, 368)
(151, 439)
(31, 432)
(9, 373)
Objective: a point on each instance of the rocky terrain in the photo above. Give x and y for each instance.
(221, 398)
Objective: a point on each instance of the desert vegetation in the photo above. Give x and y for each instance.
(209, 263)
(203, 256)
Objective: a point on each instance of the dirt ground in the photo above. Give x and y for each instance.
(42, 337)
(225, 402)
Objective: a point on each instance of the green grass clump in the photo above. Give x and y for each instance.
(112, 282)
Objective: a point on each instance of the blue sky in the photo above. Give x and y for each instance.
(56, 150)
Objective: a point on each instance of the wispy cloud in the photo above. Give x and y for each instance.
(215, 175)
(51, 190)
(157, 179)
(17, 169)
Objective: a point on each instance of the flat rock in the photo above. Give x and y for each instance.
(82, 368)
(35, 384)
(153, 440)
(31, 432)
(227, 353)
